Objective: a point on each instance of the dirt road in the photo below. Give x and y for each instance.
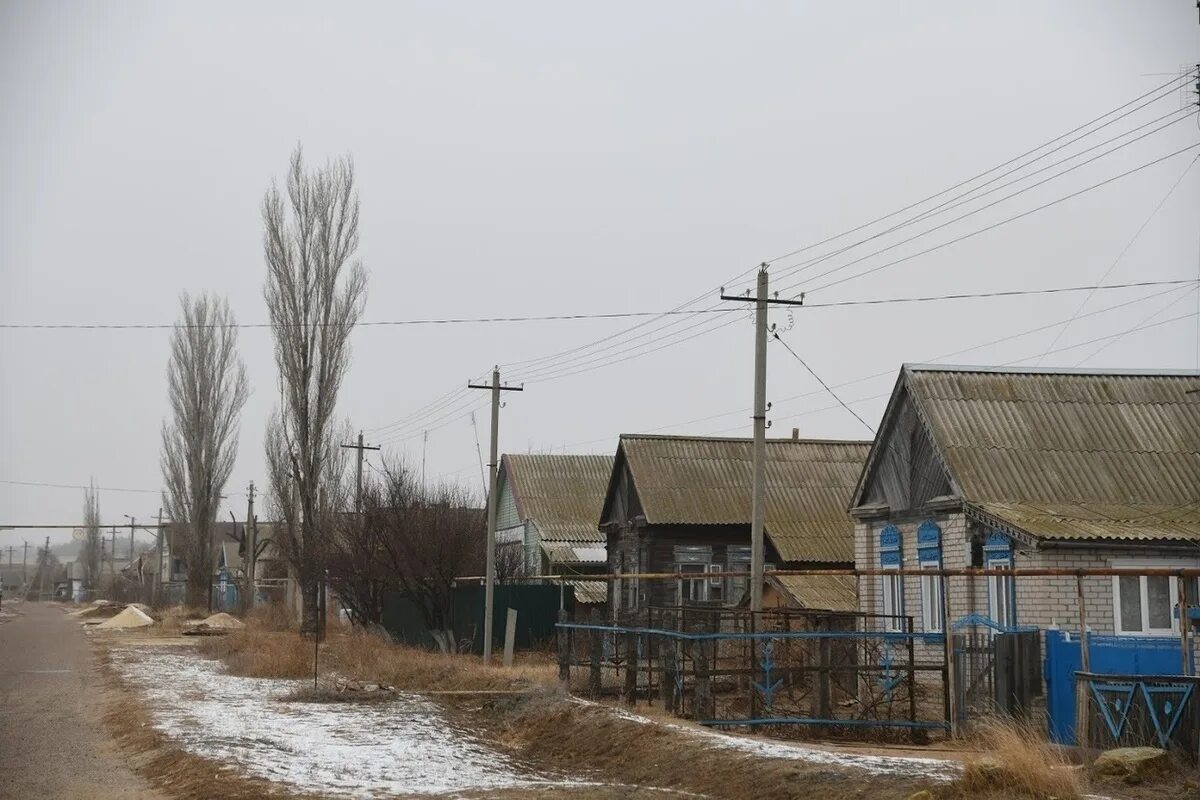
(52, 737)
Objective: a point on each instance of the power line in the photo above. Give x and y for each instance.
(993, 225)
(549, 368)
(1126, 248)
(966, 197)
(824, 385)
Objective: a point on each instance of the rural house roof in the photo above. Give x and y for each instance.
(706, 481)
(562, 494)
(1063, 454)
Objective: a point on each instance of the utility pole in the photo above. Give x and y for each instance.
(24, 559)
(758, 484)
(490, 579)
(43, 569)
(252, 543)
(158, 567)
(360, 447)
(424, 445)
(112, 560)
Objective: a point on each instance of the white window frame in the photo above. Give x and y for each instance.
(932, 587)
(1144, 597)
(1001, 586)
(893, 595)
(691, 575)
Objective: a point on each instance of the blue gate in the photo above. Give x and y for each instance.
(1107, 655)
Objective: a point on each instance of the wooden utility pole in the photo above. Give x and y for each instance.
(758, 480)
(490, 575)
(360, 447)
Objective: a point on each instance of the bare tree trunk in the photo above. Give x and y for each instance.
(207, 389)
(315, 292)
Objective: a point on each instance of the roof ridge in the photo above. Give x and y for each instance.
(1097, 371)
(747, 439)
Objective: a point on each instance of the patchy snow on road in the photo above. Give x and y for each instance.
(404, 747)
(906, 766)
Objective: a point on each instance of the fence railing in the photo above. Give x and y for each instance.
(1138, 711)
(842, 679)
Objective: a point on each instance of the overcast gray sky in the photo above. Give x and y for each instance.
(556, 158)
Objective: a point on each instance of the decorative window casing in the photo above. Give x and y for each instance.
(694, 564)
(891, 558)
(929, 557)
(998, 554)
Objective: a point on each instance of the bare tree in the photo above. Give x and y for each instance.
(90, 553)
(315, 293)
(207, 389)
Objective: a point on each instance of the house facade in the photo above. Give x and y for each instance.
(546, 514)
(681, 504)
(1035, 468)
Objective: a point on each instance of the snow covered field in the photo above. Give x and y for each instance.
(403, 747)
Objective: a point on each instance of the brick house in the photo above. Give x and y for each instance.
(681, 504)
(1032, 468)
(547, 512)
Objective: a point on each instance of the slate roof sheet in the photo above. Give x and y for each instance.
(562, 494)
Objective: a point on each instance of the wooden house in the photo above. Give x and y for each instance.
(1004, 468)
(547, 512)
(681, 504)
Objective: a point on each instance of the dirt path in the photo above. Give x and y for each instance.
(52, 737)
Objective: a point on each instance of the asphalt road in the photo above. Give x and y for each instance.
(53, 743)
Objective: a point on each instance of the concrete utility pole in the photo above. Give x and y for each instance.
(132, 523)
(252, 542)
(158, 567)
(758, 481)
(490, 575)
(24, 559)
(360, 447)
(112, 561)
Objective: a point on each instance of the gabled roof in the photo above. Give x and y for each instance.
(562, 494)
(706, 481)
(1063, 454)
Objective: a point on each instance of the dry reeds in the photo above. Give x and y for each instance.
(1020, 762)
(257, 653)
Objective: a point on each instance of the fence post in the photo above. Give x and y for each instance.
(1085, 660)
(1083, 714)
(912, 676)
(564, 649)
(950, 677)
(703, 692)
(631, 667)
(666, 651)
(597, 642)
(1184, 655)
(824, 690)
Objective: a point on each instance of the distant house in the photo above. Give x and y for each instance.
(547, 512)
(681, 504)
(1004, 468)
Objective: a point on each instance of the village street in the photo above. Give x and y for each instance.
(52, 723)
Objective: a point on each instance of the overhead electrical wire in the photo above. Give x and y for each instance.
(566, 369)
(824, 385)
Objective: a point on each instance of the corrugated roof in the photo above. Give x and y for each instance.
(590, 591)
(706, 481)
(1069, 454)
(820, 592)
(575, 552)
(562, 494)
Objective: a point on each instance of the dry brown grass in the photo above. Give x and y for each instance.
(259, 652)
(1019, 762)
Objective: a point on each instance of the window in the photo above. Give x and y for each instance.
(693, 583)
(1144, 604)
(892, 585)
(738, 559)
(929, 555)
(998, 555)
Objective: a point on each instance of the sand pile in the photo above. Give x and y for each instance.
(216, 624)
(129, 618)
(96, 611)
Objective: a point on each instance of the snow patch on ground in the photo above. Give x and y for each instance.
(906, 766)
(333, 749)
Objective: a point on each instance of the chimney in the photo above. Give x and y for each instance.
(795, 433)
